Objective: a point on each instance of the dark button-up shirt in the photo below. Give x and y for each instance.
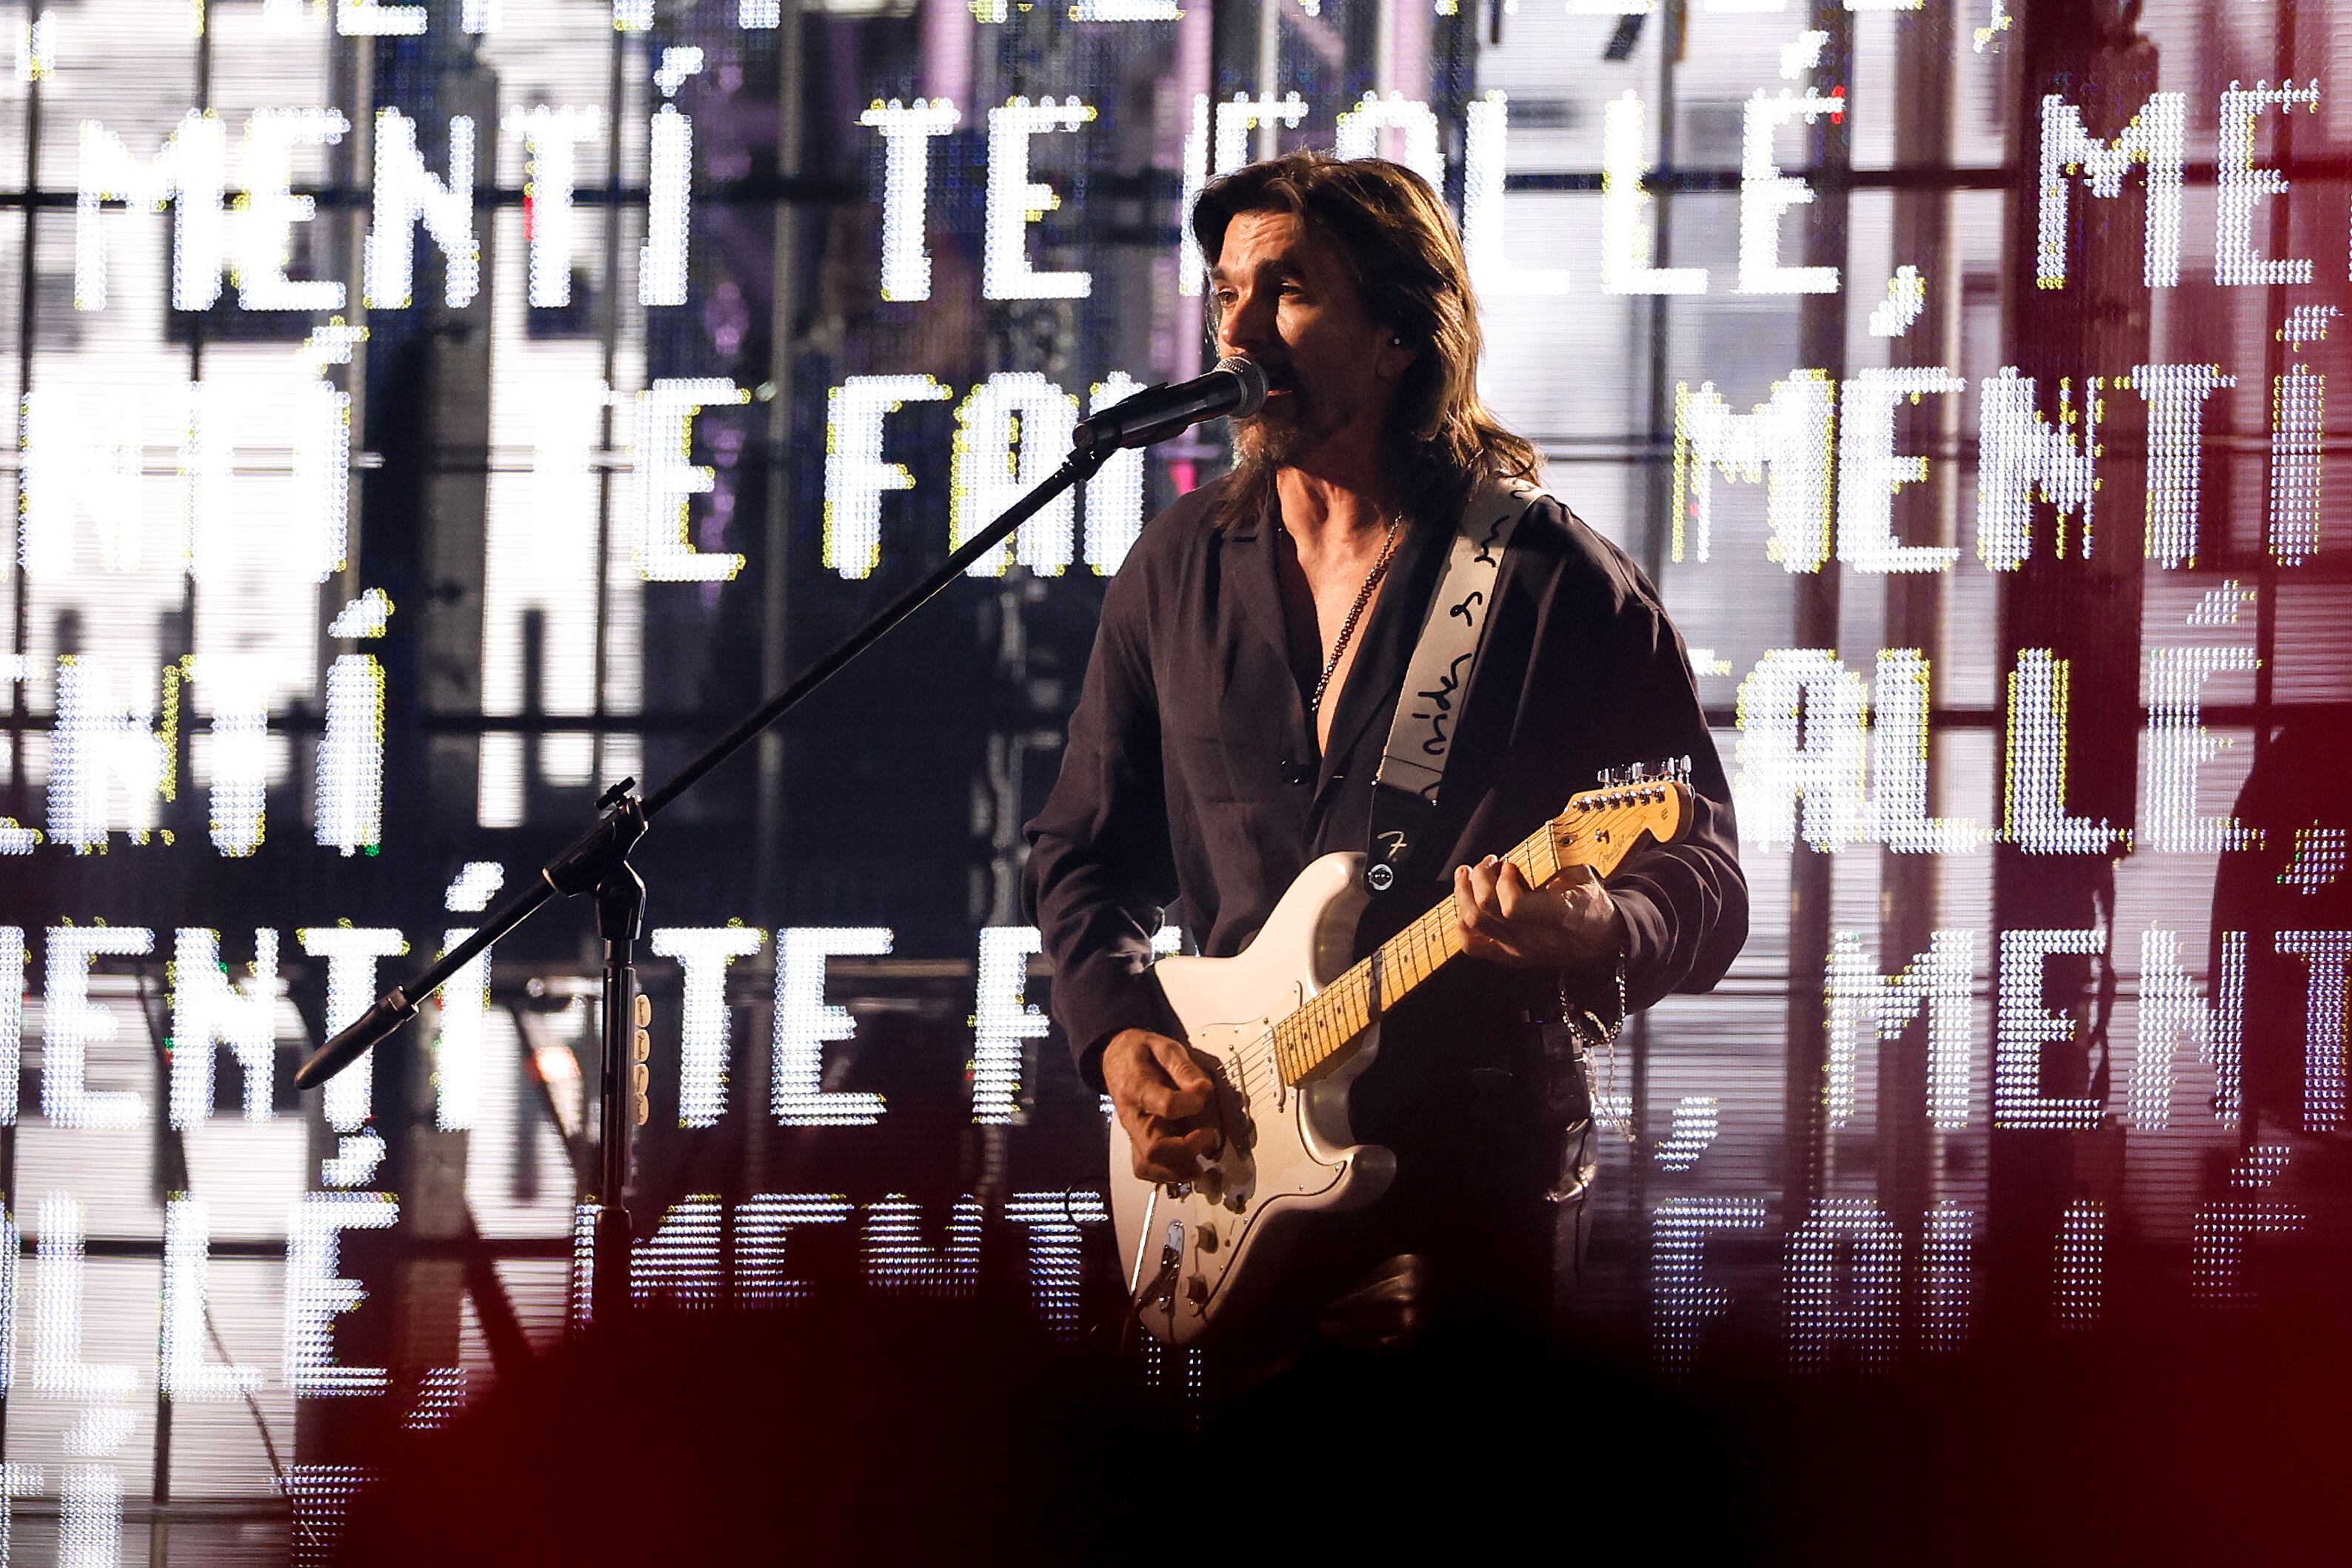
(1192, 787)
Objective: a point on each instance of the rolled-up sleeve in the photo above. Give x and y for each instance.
(1100, 871)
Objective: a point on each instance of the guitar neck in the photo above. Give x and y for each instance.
(1330, 1026)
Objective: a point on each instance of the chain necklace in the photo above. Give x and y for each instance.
(1354, 613)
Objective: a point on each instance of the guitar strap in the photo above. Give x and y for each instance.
(1437, 682)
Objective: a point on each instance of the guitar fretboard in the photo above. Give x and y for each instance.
(1338, 1017)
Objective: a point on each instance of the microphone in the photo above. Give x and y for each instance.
(1236, 387)
(390, 1011)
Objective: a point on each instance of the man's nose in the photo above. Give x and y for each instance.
(1245, 325)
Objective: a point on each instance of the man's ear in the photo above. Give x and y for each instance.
(1395, 355)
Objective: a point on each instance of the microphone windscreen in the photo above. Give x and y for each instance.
(1253, 379)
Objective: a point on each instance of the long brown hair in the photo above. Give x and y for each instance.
(1399, 244)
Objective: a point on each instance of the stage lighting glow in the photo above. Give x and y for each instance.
(1359, 133)
(464, 1006)
(1052, 1220)
(2242, 186)
(1012, 431)
(668, 478)
(2179, 744)
(1003, 1021)
(376, 19)
(72, 1023)
(182, 1367)
(316, 1294)
(1628, 239)
(2176, 397)
(1870, 471)
(1682, 1301)
(907, 134)
(193, 166)
(763, 1227)
(266, 219)
(1804, 721)
(679, 1263)
(1856, 1318)
(2079, 1286)
(210, 1010)
(1486, 143)
(661, 267)
(1766, 194)
(1865, 1005)
(804, 1022)
(237, 748)
(1785, 440)
(2157, 138)
(705, 1021)
(408, 193)
(1115, 509)
(2024, 1030)
(350, 755)
(2035, 817)
(1015, 202)
(2172, 1009)
(2298, 408)
(551, 137)
(897, 1258)
(2327, 955)
(856, 476)
(1899, 763)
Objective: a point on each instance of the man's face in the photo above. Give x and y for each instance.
(1288, 302)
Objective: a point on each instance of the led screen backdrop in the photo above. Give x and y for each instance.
(434, 414)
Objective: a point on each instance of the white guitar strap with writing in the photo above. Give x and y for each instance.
(1436, 683)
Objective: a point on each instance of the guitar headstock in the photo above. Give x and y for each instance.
(1601, 826)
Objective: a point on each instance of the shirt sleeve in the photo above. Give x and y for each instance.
(1100, 870)
(1685, 904)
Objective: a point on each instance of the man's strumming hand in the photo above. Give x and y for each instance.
(1165, 1100)
(1571, 923)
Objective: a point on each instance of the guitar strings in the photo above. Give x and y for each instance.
(1419, 950)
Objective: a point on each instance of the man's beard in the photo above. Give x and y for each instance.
(1270, 443)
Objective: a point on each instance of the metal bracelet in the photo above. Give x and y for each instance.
(1589, 1030)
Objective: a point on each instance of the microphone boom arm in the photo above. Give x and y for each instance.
(602, 848)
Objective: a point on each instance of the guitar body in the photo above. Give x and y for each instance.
(1284, 1027)
(1196, 1254)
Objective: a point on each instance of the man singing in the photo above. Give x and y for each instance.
(1250, 660)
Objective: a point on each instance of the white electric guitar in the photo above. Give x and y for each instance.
(1287, 1025)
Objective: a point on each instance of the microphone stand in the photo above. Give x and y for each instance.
(598, 862)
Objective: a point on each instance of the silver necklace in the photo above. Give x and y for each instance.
(1354, 613)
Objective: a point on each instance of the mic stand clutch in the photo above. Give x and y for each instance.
(598, 861)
